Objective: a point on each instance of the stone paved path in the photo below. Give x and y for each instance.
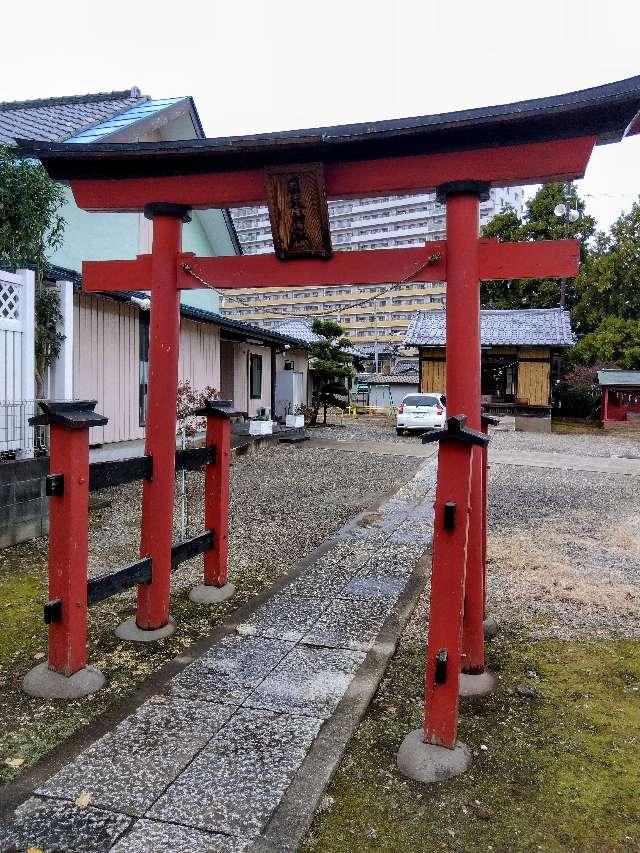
(205, 765)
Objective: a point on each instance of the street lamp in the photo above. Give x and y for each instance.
(569, 215)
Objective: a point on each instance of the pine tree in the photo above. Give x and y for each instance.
(330, 362)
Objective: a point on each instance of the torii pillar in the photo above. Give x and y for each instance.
(152, 620)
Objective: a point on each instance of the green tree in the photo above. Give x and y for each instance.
(609, 281)
(30, 227)
(615, 340)
(331, 365)
(538, 223)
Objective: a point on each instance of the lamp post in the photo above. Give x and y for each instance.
(570, 215)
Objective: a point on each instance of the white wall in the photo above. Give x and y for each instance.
(241, 379)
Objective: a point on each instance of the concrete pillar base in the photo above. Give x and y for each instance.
(426, 762)
(209, 594)
(128, 630)
(47, 684)
(477, 684)
(491, 628)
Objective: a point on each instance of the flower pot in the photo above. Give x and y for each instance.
(260, 427)
(295, 420)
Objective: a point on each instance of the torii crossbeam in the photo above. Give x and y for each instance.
(460, 155)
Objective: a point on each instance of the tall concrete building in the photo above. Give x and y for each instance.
(368, 313)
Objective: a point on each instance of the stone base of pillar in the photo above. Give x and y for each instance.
(477, 684)
(128, 630)
(209, 594)
(425, 762)
(47, 684)
(491, 628)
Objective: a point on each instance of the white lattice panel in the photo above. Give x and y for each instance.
(10, 297)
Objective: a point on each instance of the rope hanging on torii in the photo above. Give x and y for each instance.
(461, 155)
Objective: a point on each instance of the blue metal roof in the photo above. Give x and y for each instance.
(138, 113)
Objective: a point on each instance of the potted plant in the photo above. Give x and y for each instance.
(296, 419)
(261, 425)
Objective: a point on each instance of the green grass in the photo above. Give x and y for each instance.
(561, 772)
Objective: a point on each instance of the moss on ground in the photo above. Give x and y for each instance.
(559, 771)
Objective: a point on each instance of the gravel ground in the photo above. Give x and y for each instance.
(593, 443)
(580, 444)
(364, 429)
(285, 500)
(564, 551)
(564, 546)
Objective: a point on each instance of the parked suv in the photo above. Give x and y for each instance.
(421, 412)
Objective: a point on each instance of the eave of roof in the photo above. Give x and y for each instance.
(622, 378)
(388, 379)
(139, 116)
(607, 112)
(549, 327)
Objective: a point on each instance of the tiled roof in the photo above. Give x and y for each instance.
(405, 365)
(57, 119)
(619, 377)
(526, 327)
(300, 329)
(384, 379)
(381, 348)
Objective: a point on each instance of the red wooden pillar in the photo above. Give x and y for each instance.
(66, 611)
(158, 493)
(605, 404)
(490, 626)
(455, 470)
(216, 587)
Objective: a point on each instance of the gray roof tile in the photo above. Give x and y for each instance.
(525, 327)
(409, 378)
(630, 378)
(56, 119)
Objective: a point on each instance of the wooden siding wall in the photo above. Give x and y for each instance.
(432, 371)
(534, 376)
(199, 354)
(106, 362)
(534, 372)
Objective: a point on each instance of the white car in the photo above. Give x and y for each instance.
(421, 412)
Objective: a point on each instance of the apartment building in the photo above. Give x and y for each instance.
(368, 313)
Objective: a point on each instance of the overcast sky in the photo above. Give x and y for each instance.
(262, 65)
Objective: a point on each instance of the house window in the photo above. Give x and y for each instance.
(143, 367)
(255, 376)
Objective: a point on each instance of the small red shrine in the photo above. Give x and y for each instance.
(620, 406)
(461, 156)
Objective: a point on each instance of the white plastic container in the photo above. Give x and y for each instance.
(260, 427)
(295, 420)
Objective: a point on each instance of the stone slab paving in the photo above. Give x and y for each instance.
(206, 764)
(153, 836)
(311, 681)
(236, 782)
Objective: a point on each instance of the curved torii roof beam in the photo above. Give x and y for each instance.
(524, 142)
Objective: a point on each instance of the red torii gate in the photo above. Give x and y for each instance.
(461, 155)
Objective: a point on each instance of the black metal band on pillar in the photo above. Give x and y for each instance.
(479, 188)
(167, 208)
